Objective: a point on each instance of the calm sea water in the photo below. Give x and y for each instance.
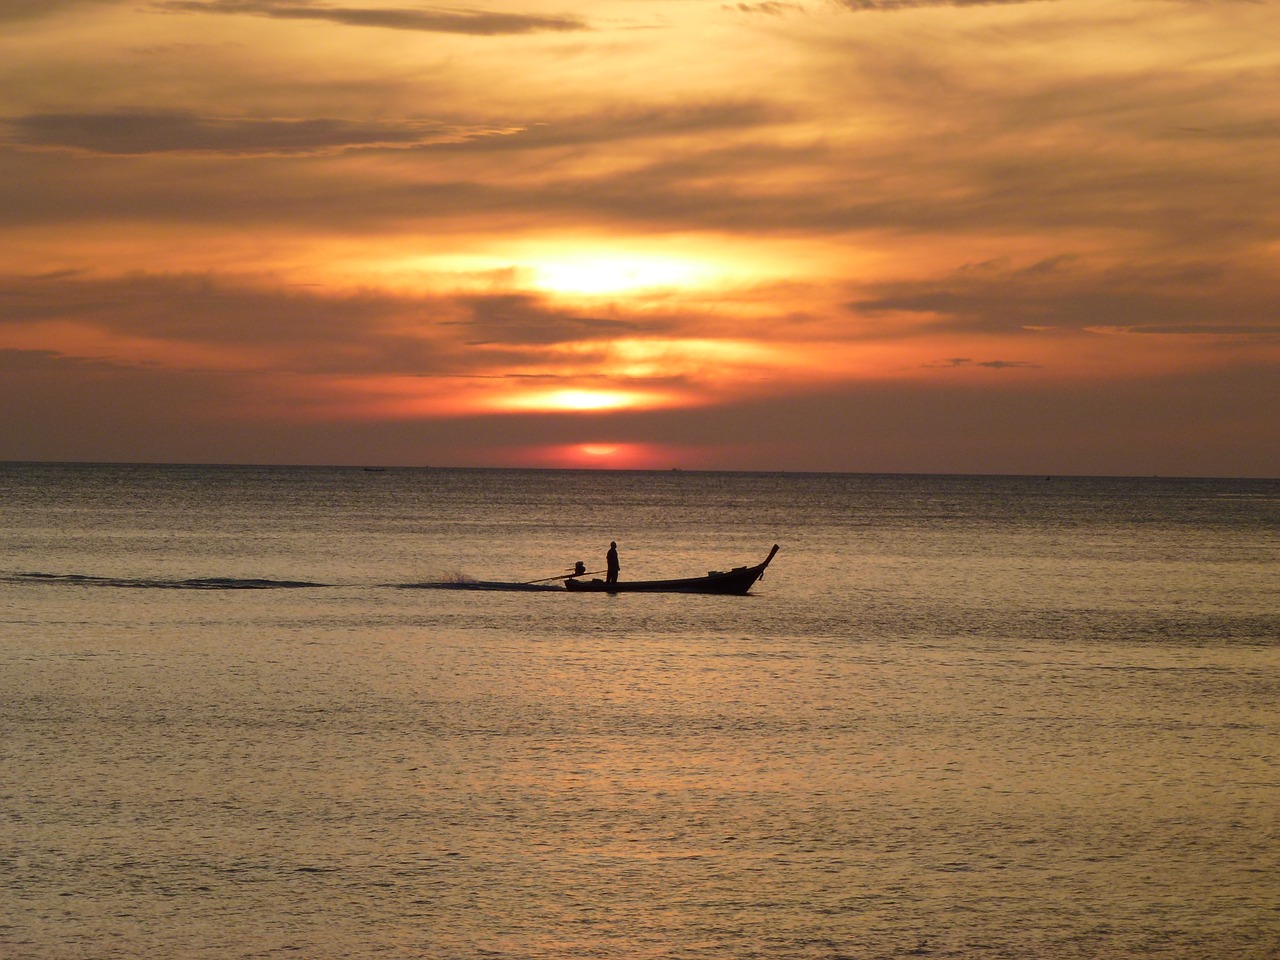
(959, 717)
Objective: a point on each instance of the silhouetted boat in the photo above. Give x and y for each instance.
(736, 581)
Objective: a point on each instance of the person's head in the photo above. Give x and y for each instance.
(613, 545)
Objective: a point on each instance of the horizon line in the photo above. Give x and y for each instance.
(378, 467)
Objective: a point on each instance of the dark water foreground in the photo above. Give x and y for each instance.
(960, 717)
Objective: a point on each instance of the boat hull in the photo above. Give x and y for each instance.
(734, 582)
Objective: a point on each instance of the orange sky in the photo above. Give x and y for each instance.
(865, 235)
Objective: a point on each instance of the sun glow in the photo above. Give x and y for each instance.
(584, 401)
(588, 399)
(590, 267)
(595, 276)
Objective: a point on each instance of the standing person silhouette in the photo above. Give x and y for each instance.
(611, 561)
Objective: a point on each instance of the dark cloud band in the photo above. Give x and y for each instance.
(136, 133)
(430, 19)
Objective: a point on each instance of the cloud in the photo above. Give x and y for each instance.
(955, 362)
(861, 6)
(772, 8)
(138, 133)
(429, 19)
(749, 188)
(1176, 425)
(1261, 128)
(255, 320)
(1255, 331)
(45, 361)
(686, 186)
(1222, 299)
(17, 10)
(263, 323)
(697, 120)
(522, 319)
(946, 142)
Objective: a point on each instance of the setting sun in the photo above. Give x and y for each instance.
(603, 456)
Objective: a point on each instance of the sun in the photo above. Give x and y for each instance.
(600, 455)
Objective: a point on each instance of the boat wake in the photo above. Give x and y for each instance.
(195, 583)
(456, 582)
(467, 583)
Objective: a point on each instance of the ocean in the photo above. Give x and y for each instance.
(960, 717)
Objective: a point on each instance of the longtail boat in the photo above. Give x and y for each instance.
(736, 581)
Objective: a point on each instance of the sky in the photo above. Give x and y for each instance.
(851, 235)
